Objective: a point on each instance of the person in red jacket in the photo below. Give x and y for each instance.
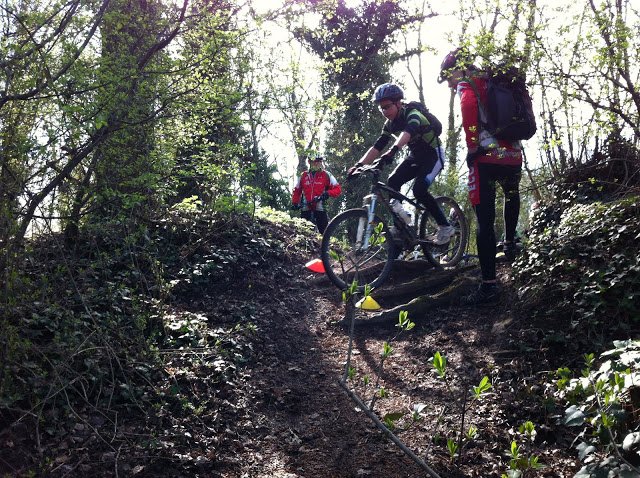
(490, 161)
(312, 189)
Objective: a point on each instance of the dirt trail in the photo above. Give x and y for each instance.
(254, 392)
(302, 424)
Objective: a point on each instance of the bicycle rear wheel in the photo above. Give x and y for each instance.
(452, 252)
(347, 255)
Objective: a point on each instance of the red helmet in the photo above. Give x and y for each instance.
(456, 59)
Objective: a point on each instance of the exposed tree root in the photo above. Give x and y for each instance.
(434, 280)
(423, 305)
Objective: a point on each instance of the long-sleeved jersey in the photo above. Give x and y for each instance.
(312, 184)
(413, 122)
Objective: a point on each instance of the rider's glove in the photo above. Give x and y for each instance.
(296, 206)
(378, 164)
(352, 169)
(387, 158)
(321, 197)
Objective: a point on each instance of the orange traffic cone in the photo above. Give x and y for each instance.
(315, 265)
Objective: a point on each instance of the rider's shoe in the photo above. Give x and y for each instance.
(485, 294)
(444, 234)
(510, 251)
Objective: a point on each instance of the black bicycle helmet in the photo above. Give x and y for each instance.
(388, 91)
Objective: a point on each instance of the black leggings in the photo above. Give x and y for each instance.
(509, 179)
(419, 169)
(319, 218)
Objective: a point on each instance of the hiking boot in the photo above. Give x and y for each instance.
(510, 251)
(444, 234)
(486, 294)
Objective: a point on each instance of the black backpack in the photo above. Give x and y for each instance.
(509, 113)
(433, 121)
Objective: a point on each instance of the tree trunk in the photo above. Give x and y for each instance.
(128, 33)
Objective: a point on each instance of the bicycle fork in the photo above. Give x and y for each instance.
(363, 234)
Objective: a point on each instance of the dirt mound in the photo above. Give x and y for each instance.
(244, 379)
(293, 419)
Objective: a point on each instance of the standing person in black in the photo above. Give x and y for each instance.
(409, 126)
(490, 161)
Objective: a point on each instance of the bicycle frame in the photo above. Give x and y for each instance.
(359, 244)
(377, 192)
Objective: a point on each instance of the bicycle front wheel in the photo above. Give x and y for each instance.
(355, 250)
(452, 252)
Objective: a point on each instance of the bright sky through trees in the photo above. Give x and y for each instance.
(439, 35)
(436, 34)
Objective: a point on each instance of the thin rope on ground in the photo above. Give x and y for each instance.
(350, 314)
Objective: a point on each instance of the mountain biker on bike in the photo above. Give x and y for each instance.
(490, 161)
(313, 188)
(426, 157)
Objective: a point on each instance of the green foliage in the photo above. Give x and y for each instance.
(519, 463)
(528, 429)
(377, 236)
(372, 390)
(69, 339)
(189, 205)
(262, 186)
(349, 293)
(386, 350)
(390, 419)
(403, 321)
(460, 403)
(483, 387)
(452, 447)
(115, 107)
(303, 229)
(218, 263)
(14, 349)
(600, 403)
(440, 364)
(93, 329)
(581, 258)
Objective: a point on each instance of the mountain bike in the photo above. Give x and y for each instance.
(361, 244)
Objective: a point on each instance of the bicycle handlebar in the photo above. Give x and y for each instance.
(313, 201)
(375, 168)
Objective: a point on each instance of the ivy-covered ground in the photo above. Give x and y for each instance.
(203, 347)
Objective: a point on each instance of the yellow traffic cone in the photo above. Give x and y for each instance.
(368, 303)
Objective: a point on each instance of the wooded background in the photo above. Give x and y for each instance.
(118, 110)
(147, 152)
